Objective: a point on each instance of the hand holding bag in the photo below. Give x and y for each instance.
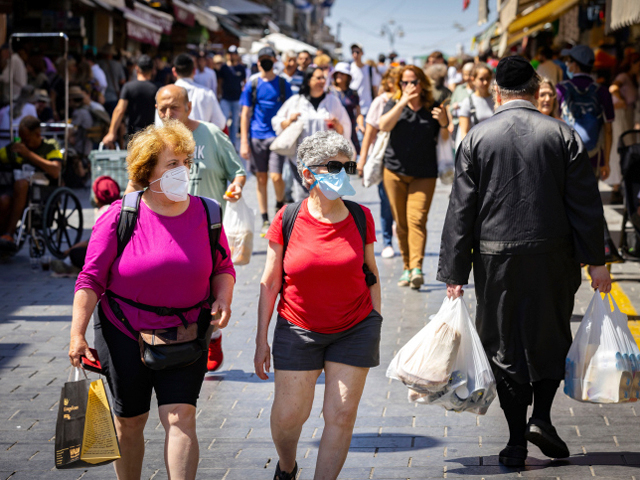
(238, 224)
(286, 144)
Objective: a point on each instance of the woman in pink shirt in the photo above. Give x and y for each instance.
(166, 263)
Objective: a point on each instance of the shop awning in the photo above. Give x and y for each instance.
(184, 13)
(512, 39)
(141, 30)
(154, 17)
(119, 4)
(622, 13)
(545, 14)
(206, 19)
(282, 43)
(236, 7)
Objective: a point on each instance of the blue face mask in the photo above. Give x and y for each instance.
(333, 185)
(569, 74)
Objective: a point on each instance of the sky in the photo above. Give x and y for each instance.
(428, 25)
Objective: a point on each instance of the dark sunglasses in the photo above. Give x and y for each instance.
(334, 166)
(412, 82)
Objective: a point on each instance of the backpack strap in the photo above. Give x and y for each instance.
(373, 93)
(356, 211)
(282, 97)
(128, 219)
(288, 219)
(472, 110)
(254, 91)
(214, 214)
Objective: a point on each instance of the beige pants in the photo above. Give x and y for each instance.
(410, 200)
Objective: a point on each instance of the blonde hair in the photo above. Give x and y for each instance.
(146, 146)
(426, 92)
(555, 110)
(322, 60)
(390, 75)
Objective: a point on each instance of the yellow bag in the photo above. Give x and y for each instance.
(85, 433)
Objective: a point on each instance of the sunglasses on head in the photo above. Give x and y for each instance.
(334, 166)
(412, 82)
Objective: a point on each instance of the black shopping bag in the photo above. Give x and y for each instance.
(85, 433)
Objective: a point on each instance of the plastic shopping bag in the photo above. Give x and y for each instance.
(85, 433)
(446, 163)
(238, 224)
(445, 363)
(596, 370)
(630, 349)
(372, 172)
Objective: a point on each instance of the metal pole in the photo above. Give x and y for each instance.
(10, 92)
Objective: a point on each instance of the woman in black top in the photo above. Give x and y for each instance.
(410, 164)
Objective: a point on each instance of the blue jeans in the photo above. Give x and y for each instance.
(231, 109)
(386, 217)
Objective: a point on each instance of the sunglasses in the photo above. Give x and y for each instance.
(334, 166)
(412, 82)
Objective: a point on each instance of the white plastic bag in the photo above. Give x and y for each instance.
(446, 162)
(445, 363)
(596, 370)
(238, 225)
(372, 172)
(630, 350)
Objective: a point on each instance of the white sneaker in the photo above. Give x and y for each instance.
(387, 252)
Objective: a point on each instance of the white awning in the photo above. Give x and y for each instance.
(156, 17)
(237, 7)
(282, 43)
(141, 30)
(206, 19)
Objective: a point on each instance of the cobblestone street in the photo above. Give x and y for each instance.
(393, 439)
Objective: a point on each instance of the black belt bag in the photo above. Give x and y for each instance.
(173, 347)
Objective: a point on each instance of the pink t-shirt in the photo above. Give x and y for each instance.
(376, 109)
(167, 263)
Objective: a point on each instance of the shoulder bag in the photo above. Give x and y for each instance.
(286, 144)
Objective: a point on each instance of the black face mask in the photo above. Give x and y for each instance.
(266, 64)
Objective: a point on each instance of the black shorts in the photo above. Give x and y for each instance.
(295, 348)
(132, 383)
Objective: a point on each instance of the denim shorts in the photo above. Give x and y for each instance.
(295, 348)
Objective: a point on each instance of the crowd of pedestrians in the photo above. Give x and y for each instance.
(196, 125)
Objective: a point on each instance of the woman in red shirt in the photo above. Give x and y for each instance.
(328, 315)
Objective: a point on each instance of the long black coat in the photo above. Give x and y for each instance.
(525, 211)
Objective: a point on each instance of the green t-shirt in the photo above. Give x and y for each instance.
(215, 163)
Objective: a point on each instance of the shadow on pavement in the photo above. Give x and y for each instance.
(242, 376)
(396, 442)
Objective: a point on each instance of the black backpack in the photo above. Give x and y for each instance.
(126, 225)
(355, 210)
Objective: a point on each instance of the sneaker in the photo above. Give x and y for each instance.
(265, 228)
(513, 456)
(543, 435)
(405, 279)
(216, 357)
(417, 279)
(280, 475)
(387, 252)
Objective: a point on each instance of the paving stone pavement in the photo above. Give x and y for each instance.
(392, 439)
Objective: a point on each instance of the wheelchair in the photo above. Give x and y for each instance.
(52, 219)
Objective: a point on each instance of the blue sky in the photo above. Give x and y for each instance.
(428, 25)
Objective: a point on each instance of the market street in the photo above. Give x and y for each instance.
(392, 438)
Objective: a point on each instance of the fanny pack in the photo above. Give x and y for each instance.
(172, 347)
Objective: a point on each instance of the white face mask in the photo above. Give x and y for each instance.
(174, 184)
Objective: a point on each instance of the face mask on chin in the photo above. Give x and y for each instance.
(174, 184)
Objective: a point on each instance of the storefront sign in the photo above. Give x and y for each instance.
(183, 14)
(138, 29)
(161, 19)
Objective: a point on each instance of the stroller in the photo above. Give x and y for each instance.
(629, 150)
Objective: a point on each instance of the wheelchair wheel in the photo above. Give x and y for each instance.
(62, 221)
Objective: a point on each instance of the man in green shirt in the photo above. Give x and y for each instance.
(31, 154)
(215, 163)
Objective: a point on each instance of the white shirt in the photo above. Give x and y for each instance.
(314, 120)
(361, 82)
(27, 109)
(204, 104)
(19, 73)
(100, 76)
(208, 79)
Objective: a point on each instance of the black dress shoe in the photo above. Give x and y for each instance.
(544, 436)
(513, 456)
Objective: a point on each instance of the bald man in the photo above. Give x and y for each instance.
(215, 163)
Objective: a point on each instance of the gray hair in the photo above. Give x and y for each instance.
(320, 147)
(529, 89)
(289, 54)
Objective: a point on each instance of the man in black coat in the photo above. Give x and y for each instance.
(525, 211)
